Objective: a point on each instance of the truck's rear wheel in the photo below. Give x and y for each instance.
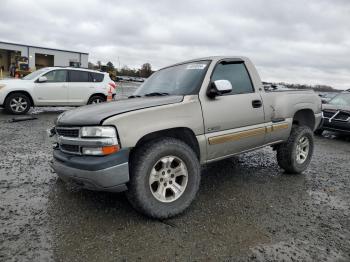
(17, 104)
(164, 178)
(295, 154)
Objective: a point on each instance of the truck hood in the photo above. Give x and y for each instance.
(96, 114)
(335, 107)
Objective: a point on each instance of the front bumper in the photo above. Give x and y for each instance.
(108, 173)
(335, 125)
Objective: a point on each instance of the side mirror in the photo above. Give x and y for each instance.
(219, 87)
(42, 79)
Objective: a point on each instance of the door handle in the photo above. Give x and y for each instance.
(256, 103)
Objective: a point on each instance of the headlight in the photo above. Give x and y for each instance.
(105, 138)
(98, 131)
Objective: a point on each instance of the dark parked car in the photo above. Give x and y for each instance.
(336, 114)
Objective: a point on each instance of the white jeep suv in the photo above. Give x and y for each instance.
(55, 86)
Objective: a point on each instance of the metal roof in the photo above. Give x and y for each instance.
(53, 49)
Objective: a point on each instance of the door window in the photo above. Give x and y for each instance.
(96, 77)
(237, 74)
(56, 76)
(78, 76)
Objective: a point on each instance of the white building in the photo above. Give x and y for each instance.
(39, 57)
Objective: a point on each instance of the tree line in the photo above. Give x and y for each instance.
(318, 88)
(144, 71)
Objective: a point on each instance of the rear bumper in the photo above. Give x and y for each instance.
(110, 173)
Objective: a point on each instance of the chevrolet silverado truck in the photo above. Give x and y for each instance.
(153, 144)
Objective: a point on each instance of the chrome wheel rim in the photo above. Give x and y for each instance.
(303, 147)
(168, 179)
(18, 104)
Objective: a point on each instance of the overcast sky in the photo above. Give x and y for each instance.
(296, 41)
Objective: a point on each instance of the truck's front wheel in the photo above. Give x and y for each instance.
(295, 154)
(164, 178)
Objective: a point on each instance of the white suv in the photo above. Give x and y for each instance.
(55, 86)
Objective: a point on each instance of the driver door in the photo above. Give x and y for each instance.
(233, 122)
(54, 91)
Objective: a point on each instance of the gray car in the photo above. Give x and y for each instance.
(153, 144)
(336, 115)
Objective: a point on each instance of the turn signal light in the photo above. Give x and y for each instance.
(107, 150)
(100, 151)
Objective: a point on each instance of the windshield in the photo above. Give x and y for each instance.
(341, 100)
(33, 75)
(184, 79)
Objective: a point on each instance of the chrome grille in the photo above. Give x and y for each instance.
(342, 116)
(68, 132)
(328, 114)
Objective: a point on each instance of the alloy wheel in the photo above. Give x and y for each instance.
(302, 150)
(168, 179)
(18, 104)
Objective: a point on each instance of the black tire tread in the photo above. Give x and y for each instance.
(138, 166)
(285, 154)
(95, 96)
(7, 103)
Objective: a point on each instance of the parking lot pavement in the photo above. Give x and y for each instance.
(246, 209)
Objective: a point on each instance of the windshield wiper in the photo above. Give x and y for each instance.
(134, 96)
(157, 94)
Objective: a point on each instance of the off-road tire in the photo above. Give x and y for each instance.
(8, 100)
(96, 97)
(141, 164)
(286, 152)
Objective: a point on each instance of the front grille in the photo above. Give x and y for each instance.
(68, 132)
(328, 114)
(74, 149)
(342, 116)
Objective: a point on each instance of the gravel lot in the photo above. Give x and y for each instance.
(247, 208)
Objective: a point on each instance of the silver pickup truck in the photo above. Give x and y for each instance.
(186, 115)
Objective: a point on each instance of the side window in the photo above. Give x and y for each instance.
(78, 76)
(237, 74)
(56, 76)
(96, 77)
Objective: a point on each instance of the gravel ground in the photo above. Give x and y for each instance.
(247, 209)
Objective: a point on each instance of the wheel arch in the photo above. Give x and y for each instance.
(305, 117)
(97, 94)
(21, 92)
(184, 134)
